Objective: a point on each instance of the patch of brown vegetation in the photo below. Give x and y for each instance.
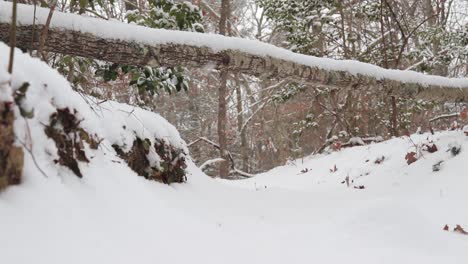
(64, 128)
(11, 157)
(172, 165)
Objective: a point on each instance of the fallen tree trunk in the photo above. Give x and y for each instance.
(67, 39)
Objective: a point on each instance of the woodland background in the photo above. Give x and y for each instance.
(259, 123)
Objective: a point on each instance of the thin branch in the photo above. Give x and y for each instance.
(29, 148)
(44, 33)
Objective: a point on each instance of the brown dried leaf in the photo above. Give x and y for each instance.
(410, 157)
(431, 148)
(464, 114)
(459, 229)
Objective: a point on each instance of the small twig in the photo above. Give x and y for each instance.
(45, 32)
(29, 148)
(216, 146)
(33, 158)
(242, 173)
(418, 149)
(96, 14)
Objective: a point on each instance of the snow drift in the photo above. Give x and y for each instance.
(302, 212)
(64, 131)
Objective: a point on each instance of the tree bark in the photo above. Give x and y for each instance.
(240, 123)
(11, 156)
(432, 20)
(222, 94)
(222, 120)
(394, 117)
(76, 43)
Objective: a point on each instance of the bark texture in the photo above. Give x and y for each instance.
(11, 156)
(86, 45)
(222, 93)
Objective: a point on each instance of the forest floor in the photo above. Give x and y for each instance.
(282, 216)
(303, 212)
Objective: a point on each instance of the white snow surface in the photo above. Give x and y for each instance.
(149, 36)
(112, 215)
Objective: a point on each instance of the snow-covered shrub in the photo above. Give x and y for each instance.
(64, 133)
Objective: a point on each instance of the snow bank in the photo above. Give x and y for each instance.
(127, 32)
(102, 125)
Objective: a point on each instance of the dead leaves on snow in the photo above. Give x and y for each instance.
(410, 157)
(458, 229)
(413, 156)
(430, 148)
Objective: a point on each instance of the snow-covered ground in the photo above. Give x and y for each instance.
(283, 216)
(112, 215)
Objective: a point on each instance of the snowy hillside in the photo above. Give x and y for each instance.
(60, 127)
(395, 214)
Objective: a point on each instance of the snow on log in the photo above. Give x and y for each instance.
(135, 45)
(452, 115)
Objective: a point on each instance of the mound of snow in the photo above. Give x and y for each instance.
(109, 122)
(377, 166)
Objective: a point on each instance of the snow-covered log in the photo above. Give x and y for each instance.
(135, 45)
(445, 116)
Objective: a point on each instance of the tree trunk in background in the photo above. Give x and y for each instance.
(394, 117)
(224, 16)
(222, 120)
(432, 20)
(240, 122)
(382, 34)
(222, 93)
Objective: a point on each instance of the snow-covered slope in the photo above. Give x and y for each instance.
(108, 124)
(283, 216)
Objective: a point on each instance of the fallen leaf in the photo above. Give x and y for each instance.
(459, 229)
(337, 146)
(464, 114)
(410, 157)
(431, 148)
